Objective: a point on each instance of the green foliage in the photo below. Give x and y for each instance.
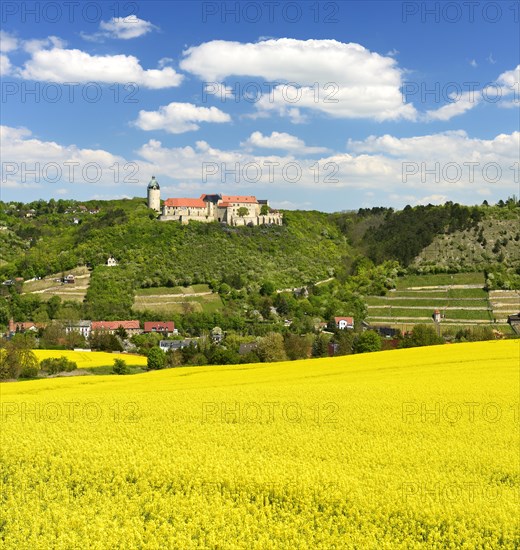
(474, 334)
(320, 346)
(156, 359)
(421, 335)
(144, 342)
(53, 365)
(120, 367)
(401, 236)
(298, 347)
(267, 288)
(53, 336)
(104, 341)
(17, 359)
(345, 341)
(367, 341)
(271, 348)
(152, 253)
(110, 295)
(502, 277)
(243, 211)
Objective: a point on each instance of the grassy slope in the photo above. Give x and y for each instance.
(345, 458)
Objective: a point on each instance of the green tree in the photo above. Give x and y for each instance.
(264, 210)
(298, 347)
(105, 341)
(271, 348)
(53, 306)
(345, 340)
(243, 211)
(267, 288)
(53, 336)
(121, 332)
(156, 359)
(120, 366)
(17, 359)
(320, 346)
(422, 335)
(367, 341)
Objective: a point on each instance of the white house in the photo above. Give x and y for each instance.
(344, 322)
(83, 327)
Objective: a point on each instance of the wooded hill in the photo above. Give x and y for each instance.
(41, 238)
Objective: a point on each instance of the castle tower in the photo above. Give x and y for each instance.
(154, 195)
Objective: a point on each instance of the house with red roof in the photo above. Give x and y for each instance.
(344, 322)
(131, 327)
(163, 327)
(23, 326)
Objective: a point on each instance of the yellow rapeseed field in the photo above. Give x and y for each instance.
(415, 448)
(87, 359)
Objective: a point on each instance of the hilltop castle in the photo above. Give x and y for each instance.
(230, 209)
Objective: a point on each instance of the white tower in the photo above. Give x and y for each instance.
(154, 195)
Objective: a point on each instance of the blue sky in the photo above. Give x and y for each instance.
(314, 105)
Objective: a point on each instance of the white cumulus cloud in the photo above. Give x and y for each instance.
(280, 140)
(123, 28)
(66, 65)
(177, 118)
(328, 76)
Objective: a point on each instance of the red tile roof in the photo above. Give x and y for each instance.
(24, 325)
(349, 320)
(192, 203)
(239, 198)
(159, 326)
(114, 325)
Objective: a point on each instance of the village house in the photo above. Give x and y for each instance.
(23, 326)
(82, 327)
(163, 327)
(111, 261)
(131, 327)
(344, 322)
(167, 345)
(217, 335)
(230, 209)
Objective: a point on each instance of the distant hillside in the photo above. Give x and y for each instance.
(41, 238)
(496, 238)
(449, 238)
(308, 247)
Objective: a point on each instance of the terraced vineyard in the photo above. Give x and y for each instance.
(196, 298)
(49, 286)
(460, 298)
(504, 303)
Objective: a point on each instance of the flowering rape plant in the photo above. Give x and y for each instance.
(414, 448)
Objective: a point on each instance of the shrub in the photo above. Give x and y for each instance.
(366, 342)
(422, 335)
(53, 365)
(120, 367)
(156, 359)
(29, 371)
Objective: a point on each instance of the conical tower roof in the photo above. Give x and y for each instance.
(154, 184)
